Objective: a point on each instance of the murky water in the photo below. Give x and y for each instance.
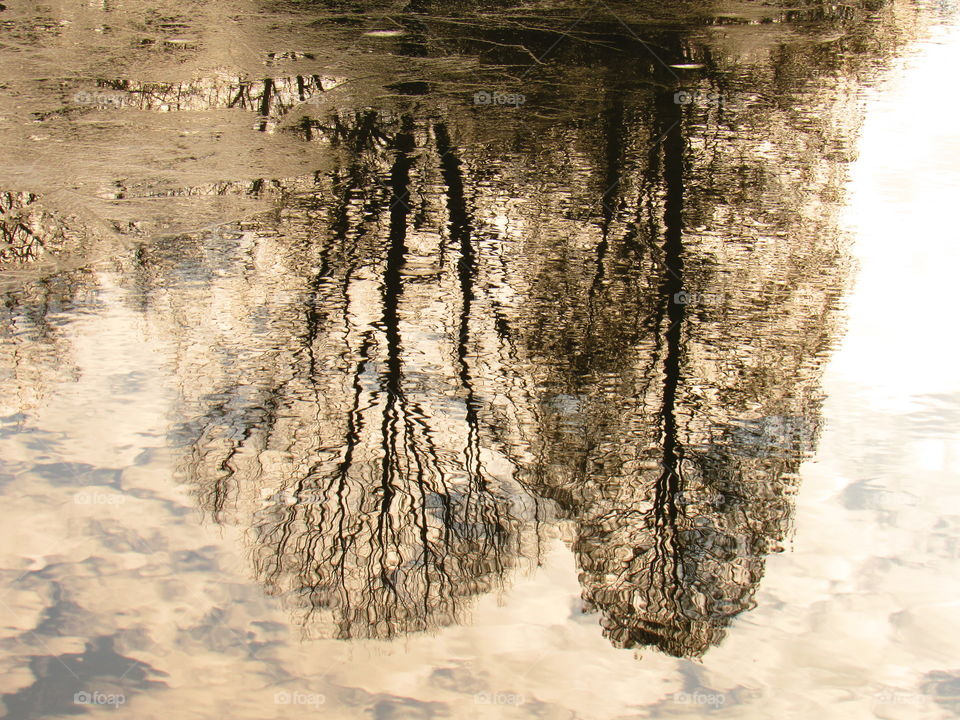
(530, 361)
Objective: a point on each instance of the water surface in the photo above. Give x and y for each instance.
(550, 361)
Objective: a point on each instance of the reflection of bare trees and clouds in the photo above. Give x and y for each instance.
(411, 333)
(428, 355)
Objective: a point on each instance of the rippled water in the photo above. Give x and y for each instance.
(516, 361)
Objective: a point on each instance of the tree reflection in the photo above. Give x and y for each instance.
(438, 418)
(388, 518)
(27, 229)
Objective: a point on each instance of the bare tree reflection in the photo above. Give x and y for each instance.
(677, 500)
(388, 519)
(27, 229)
(369, 430)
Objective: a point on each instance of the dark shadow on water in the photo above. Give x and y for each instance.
(75, 683)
